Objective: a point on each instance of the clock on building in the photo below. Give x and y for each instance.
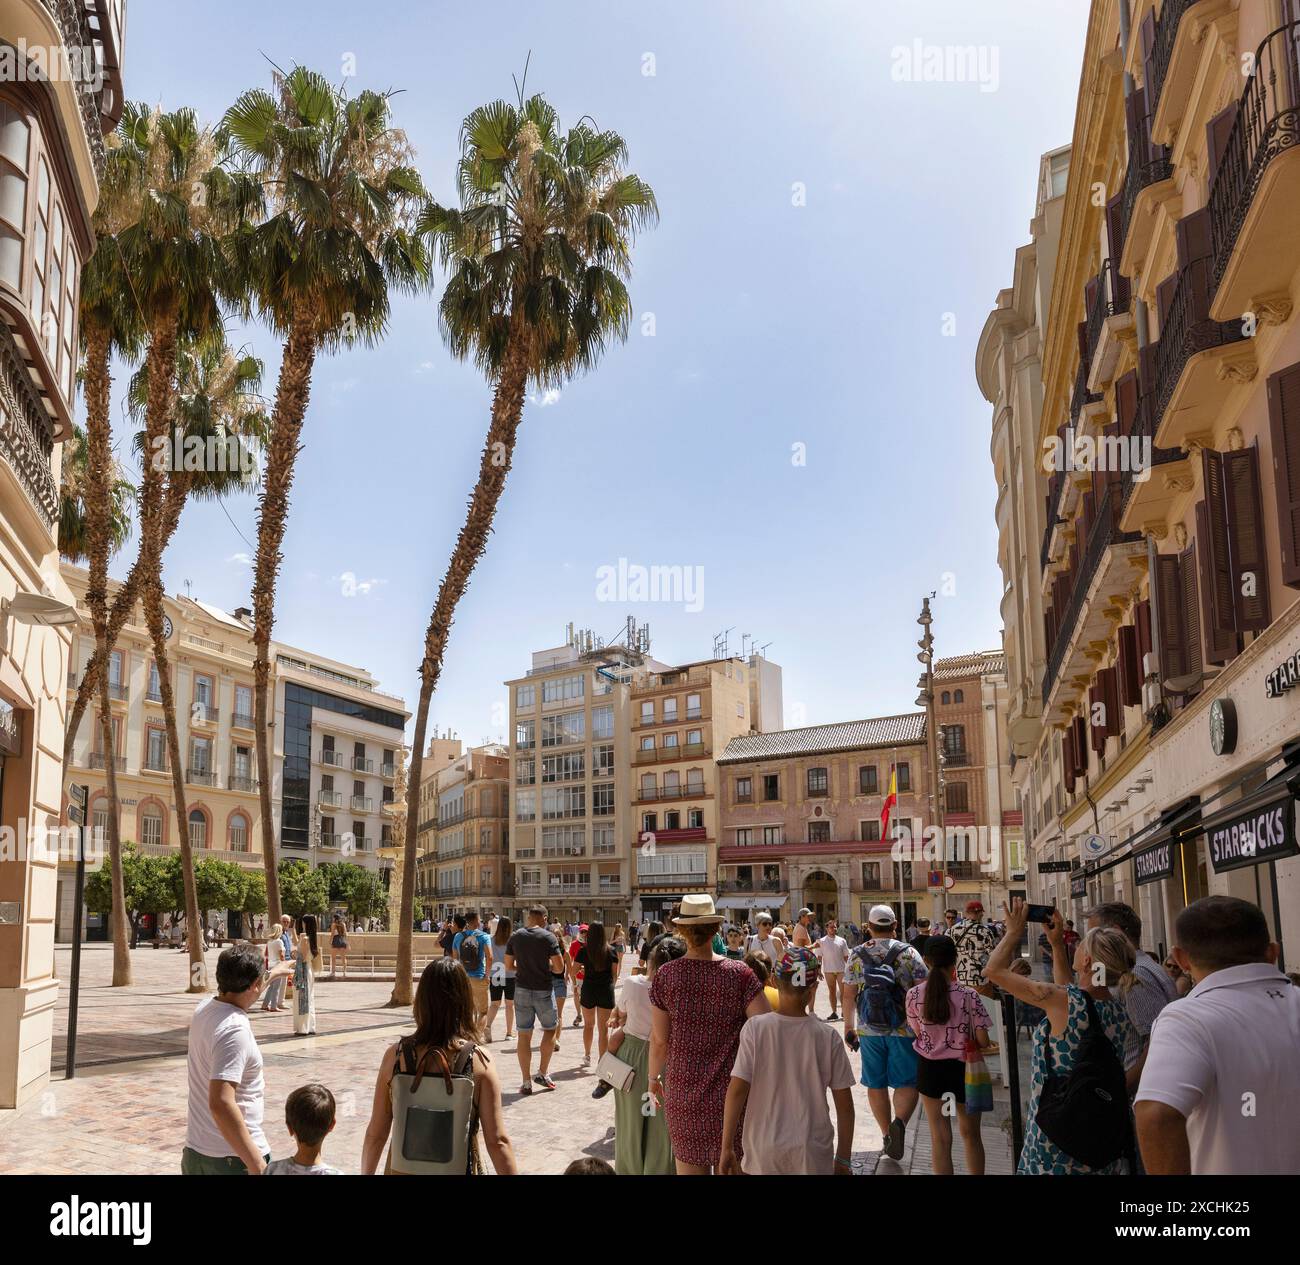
(167, 627)
(1223, 726)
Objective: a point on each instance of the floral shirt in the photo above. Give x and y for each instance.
(909, 969)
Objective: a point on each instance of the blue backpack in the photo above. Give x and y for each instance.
(881, 1000)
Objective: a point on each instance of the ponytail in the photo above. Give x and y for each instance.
(940, 957)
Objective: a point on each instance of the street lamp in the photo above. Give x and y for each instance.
(926, 699)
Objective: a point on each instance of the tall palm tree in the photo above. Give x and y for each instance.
(342, 202)
(74, 536)
(538, 252)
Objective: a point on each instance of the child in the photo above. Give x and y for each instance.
(946, 1017)
(786, 1062)
(589, 1166)
(759, 964)
(309, 1116)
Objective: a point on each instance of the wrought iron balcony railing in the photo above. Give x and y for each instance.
(1112, 298)
(1162, 52)
(1139, 175)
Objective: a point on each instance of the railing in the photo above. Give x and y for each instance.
(330, 799)
(1056, 488)
(1185, 332)
(752, 885)
(26, 436)
(361, 765)
(1267, 123)
(204, 713)
(1081, 394)
(1138, 176)
(1113, 298)
(568, 889)
(1144, 429)
(200, 777)
(98, 760)
(333, 758)
(454, 820)
(1105, 533)
(362, 804)
(954, 759)
(153, 694)
(1162, 52)
(692, 790)
(388, 770)
(149, 767)
(74, 29)
(238, 782)
(242, 720)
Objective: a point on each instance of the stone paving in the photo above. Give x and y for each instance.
(124, 1112)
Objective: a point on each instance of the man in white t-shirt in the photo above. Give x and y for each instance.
(833, 950)
(1220, 1089)
(223, 1128)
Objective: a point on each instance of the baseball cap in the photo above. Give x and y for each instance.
(974, 907)
(882, 916)
(582, 926)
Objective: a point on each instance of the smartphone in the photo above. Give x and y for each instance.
(852, 1042)
(1040, 913)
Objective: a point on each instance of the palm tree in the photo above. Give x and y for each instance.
(342, 201)
(218, 406)
(538, 252)
(74, 538)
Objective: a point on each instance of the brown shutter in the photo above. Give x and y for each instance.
(1220, 645)
(1108, 682)
(1164, 297)
(1169, 610)
(1193, 236)
(1126, 402)
(1080, 727)
(1246, 530)
(1114, 229)
(1284, 426)
(1218, 603)
(1067, 759)
(1191, 614)
(1142, 622)
(1130, 666)
(1096, 732)
(1115, 457)
(1217, 132)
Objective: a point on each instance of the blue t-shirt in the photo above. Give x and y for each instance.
(483, 941)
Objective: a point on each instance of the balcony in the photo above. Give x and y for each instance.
(361, 765)
(1109, 321)
(692, 790)
(388, 770)
(1055, 489)
(1147, 494)
(1175, 60)
(203, 714)
(118, 692)
(330, 799)
(954, 759)
(1146, 186)
(1196, 363)
(1104, 573)
(240, 782)
(242, 720)
(332, 841)
(240, 856)
(568, 889)
(363, 804)
(1081, 396)
(752, 885)
(98, 760)
(1257, 187)
(150, 767)
(200, 777)
(331, 758)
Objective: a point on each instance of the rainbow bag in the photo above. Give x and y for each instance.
(979, 1084)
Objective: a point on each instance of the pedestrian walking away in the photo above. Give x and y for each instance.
(534, 954)
(501, 980)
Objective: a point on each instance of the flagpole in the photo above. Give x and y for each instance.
(902, 904)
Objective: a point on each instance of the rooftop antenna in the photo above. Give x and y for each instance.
(189, 589)
(744, 637)
(762, 650)
(720, 643)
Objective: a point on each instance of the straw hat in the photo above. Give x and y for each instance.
(696, 909)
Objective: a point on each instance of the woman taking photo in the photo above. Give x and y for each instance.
(599, 964)
(338, 945)
(947, 1017)
(443, 1039)
(305, 967)
(701, 1002)
(1104, 959)
(501, 983)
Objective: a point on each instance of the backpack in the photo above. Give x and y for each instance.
(471, 955)
(1085, 1112)
(435, 1122)
(882, 1000)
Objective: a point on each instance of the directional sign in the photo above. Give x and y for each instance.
(76, 815)
(77, 793)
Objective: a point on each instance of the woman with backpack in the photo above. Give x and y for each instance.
(437, 1071)
(1078, 1119)
(947, 1018)
(599, 964)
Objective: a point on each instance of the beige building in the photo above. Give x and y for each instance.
(211, 655)
(51, 157)
(1170, 375)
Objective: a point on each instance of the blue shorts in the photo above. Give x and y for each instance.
(559, 986)
(888, 1062)
(535, 1004)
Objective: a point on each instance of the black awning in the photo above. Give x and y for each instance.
(1257, 829)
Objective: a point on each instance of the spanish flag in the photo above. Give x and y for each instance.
(890, 800)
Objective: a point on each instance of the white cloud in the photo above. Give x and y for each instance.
(244, 559)
(549, 397)
(350, 586)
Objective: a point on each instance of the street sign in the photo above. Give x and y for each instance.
(1053, 867)
(76, 815)
(77, 794)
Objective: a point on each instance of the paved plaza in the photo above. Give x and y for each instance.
(125, 1110)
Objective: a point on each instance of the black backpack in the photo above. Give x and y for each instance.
(471, 956)
(1085, 1112)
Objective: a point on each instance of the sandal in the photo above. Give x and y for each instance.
(525, 1088)
(545, 1082)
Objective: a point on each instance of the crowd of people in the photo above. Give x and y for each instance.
(707, 1035)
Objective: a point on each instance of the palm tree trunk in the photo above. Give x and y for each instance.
(498, 453)
(98, 383)
(291, 395)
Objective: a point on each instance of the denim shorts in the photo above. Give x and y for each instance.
(535, 1004)
(888, 1062)
(559, 985)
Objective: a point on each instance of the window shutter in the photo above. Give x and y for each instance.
(1218, 602)
(1108, 682)
(1114, 461)
(1114, 230)
(1067, 759)
(1126, 402)
(1217, 132)
(1191, 622)
(1142, 622)
(1193, 236)
(1164, 297)
(1096, 732)
(1246, 531)
(1169, 608)
(1147, 43)
(1220, 644)
(1130, 667)
(1284, 426)
(1080, 727)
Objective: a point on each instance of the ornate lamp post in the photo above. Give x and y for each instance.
(926, 699)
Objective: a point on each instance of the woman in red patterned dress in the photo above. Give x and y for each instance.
(701, 1003)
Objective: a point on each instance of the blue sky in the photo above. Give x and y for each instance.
(819, 219)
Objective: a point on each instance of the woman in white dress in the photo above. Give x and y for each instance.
(304, 977)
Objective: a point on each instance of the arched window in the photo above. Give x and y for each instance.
(958, 697)
(239, 833)
(151, 826)
(198, 829)
(945, 697)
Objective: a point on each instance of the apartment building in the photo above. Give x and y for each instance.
(443, 751)
(51, 158)
(211, 657)
(336, 742)
(572, 833)
(800, 820)
(469, 858)
(979, 805)
(1170, 371)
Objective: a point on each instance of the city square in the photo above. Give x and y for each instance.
(475, 496)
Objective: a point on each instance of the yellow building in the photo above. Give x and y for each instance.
(51, 157)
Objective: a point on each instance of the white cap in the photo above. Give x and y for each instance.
(882, 916)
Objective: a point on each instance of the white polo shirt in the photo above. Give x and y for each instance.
(1227, 1057)
(222, 1048)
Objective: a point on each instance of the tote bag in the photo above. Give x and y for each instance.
(979, 1084)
